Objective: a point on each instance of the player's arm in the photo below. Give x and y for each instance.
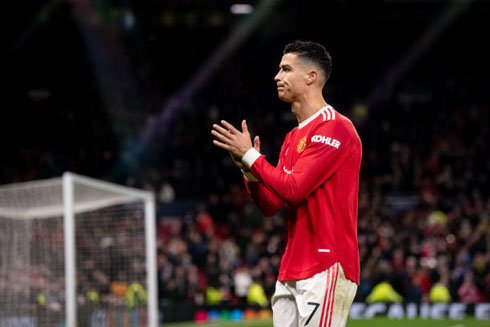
(267, 202)
(320, 159)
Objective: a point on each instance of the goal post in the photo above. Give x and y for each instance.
(77, 251)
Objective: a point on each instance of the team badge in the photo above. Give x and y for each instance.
(301, 145)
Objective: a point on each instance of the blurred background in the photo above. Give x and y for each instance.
(127, 91)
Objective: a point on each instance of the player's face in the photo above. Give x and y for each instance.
(291, 78)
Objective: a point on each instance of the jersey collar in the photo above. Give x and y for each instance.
(312, 117)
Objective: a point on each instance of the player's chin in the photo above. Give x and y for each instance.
(282, 96)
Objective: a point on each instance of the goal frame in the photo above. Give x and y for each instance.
(68, 180)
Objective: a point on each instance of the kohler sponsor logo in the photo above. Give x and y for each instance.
(325, 140)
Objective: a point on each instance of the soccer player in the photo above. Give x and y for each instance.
(317, 178)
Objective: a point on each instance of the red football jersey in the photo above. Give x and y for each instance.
(317, 176)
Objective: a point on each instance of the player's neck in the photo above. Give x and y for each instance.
(304, 109)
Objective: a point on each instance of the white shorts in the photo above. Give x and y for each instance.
(322, 300)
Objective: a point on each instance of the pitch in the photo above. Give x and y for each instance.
(377, 322)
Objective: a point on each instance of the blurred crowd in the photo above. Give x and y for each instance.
(424, 203)
(424, 200)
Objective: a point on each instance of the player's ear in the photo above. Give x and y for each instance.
(312, 77)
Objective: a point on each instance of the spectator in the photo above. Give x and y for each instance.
(384, 292)
(439, 293)
(468, 293)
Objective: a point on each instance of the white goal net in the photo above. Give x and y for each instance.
(75, 251)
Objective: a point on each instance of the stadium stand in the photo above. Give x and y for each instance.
(424, 202)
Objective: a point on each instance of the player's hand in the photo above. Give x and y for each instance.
(232, 140)
(238, 162)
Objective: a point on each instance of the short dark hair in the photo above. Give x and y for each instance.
(311, 51)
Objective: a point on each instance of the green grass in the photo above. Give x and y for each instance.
(248, 323)
(377, 322)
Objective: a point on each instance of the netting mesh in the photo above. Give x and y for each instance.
(111, 270)
(109, 249)
(31, 254)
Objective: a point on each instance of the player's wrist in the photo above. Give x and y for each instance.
(250, 157)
